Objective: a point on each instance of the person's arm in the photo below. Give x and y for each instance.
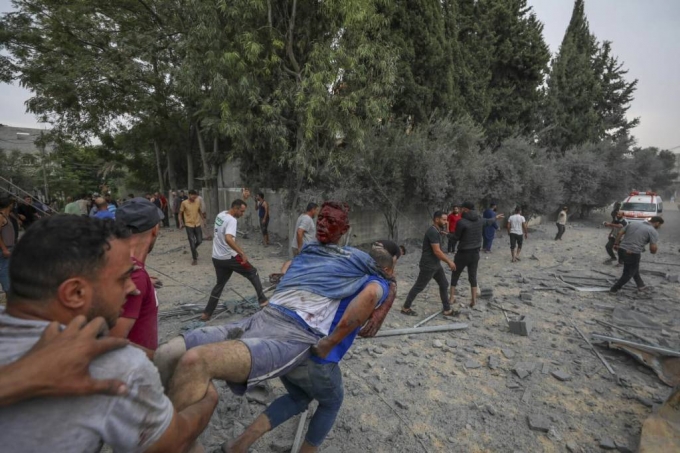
(355, 315)
(187, 425)
(58, 364)
(266, 211)
(507, 226)
(298, 237)
(378, 316)
(123, 327)
(234, 246)
(459, 230)
(436, 248)
(525, 228)
(620, 234)
(181, 215)
(653, 248)
(3, 247)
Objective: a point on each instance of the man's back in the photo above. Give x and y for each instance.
(638, 235)
(516, 221)
(72, 208)
(131, 423)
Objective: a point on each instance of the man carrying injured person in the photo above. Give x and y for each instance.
(300, 319)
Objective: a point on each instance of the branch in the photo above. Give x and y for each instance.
(289, 44)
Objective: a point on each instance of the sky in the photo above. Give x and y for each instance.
(645, 36)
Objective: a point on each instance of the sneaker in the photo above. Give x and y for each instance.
(613, 291)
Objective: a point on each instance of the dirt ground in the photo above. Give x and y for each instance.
(459, 391)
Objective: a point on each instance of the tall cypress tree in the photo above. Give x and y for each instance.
(571, 116)
(425, 70)
(519, 63)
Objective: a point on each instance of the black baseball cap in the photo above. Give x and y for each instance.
(139, 215)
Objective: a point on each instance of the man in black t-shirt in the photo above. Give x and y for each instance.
(27, 212)
(618, 223)
(430, 267)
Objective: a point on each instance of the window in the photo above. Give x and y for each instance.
(640, 207)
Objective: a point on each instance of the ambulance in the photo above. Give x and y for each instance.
(641, 206)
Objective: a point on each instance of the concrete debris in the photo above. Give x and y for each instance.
(508, 353)
(521, 325)
(437, 344)
(561, 375)
(494, 362)
(607, 444)
(572, 447)
(538, 423)
(472, 364)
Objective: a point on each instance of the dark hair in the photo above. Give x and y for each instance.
(57, 248)
(5, 202)
(656, 219)
(131, 195)
(437, 214)
(311, 206)
(388, 245)
(382, 257)
(403, 250)
(238, 203)
(468, 205)
(518, 210)
(261, 195)
(193, 192)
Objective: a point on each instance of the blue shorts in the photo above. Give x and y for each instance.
(277, 342)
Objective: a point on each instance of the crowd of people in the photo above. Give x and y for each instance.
(102, 377)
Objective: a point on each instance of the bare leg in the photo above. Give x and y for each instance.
(452, 295)
(517, 255)
(167, 357)
(227, 360)
(473, 296)
(257, 429)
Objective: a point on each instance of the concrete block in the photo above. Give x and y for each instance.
(538, 423)
(521, 325)
(486, 293)
(526, 296)
(673, 278)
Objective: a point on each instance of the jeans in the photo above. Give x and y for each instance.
(466, 258)
(223, 271)
(424, 277)
(310, 381)
(195, 236)
(451, 246)
(4, 273)
(631, 269)
(610, 250)
(560, 231)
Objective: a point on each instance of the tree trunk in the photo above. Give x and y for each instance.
(209, 175)
(158, 166)
(172, 176)
(190, 171)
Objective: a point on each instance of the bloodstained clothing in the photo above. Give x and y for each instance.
(143, 308)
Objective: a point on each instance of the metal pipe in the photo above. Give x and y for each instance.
(604, 323)
(429, 318)
(297, 443)
(664, 351)
(430, 329)
(599, 356)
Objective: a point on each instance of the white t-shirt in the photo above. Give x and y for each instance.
(516, 222)
(130, 423)
(225, 224)
(307, 224)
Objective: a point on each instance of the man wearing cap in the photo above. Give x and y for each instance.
(139, 319)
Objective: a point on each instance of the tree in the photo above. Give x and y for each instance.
(570, 115)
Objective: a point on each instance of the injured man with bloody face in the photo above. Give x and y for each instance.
(325, 297)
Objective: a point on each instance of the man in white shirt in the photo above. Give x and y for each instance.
(517, 229)
(561, 223)
(305, 228)
(228, 258)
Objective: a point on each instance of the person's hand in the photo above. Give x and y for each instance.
(6, 253)
(244, 258)
(181, 225)
(156, 282)
(378, 316)
(526, 235)
(322, 348)
(452, 266)
(500, 216)
(616, 246)
(62, 359)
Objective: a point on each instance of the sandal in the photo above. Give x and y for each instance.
(451, 312)
(408, 312)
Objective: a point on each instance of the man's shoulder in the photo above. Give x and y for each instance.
(127, 364)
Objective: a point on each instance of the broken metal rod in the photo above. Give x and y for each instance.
(604, 323)
(428, 319)
(430, 329)
(664, 351)
(506, 309)
(297, 443)
(505, 314)
(599, 356)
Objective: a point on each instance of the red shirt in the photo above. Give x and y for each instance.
(453, 220)
(143, 308)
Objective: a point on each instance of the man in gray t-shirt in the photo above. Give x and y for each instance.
(305, 228)
(92, 279)
(632, 240)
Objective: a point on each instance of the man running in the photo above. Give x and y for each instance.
(430, 268)
(228, 257)
(615, 225)
(632, 239)
(191, 217)
(469, 236)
